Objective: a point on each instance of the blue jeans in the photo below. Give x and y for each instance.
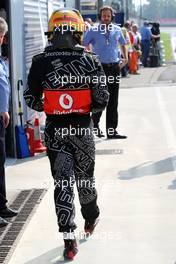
(145, 46)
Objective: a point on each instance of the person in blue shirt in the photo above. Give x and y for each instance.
(4, 121)
(105, 38)
(146, 37)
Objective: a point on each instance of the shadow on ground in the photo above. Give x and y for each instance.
(54, 256)
(149, 169)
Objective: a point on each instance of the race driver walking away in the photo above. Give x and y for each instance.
(66, 82)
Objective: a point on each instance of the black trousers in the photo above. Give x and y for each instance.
(3, 200)
(72, 159)
(112, 108)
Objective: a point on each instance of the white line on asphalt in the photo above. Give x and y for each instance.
(169, 132)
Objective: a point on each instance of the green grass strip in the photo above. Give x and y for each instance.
(167, 46)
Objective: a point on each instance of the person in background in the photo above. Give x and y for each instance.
(136, 49)
(155, 29)
(4, 121)
(105, 41)
(4, 47)
(88, 24)
(60, 83)
(125, 30)
(146, 37)
(89, 20)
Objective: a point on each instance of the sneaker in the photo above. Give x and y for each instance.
(70, 249)
(89, 226)
(8, 212)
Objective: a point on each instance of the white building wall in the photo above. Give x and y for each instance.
(16, 47)
(28, 22)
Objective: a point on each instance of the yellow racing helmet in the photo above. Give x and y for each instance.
(66, 20)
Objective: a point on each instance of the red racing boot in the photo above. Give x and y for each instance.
(71, 248)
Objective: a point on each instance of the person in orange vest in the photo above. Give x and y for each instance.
(67, 83)
(125, 30)
(135, 38)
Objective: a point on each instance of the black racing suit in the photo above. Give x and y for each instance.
(68, 133)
